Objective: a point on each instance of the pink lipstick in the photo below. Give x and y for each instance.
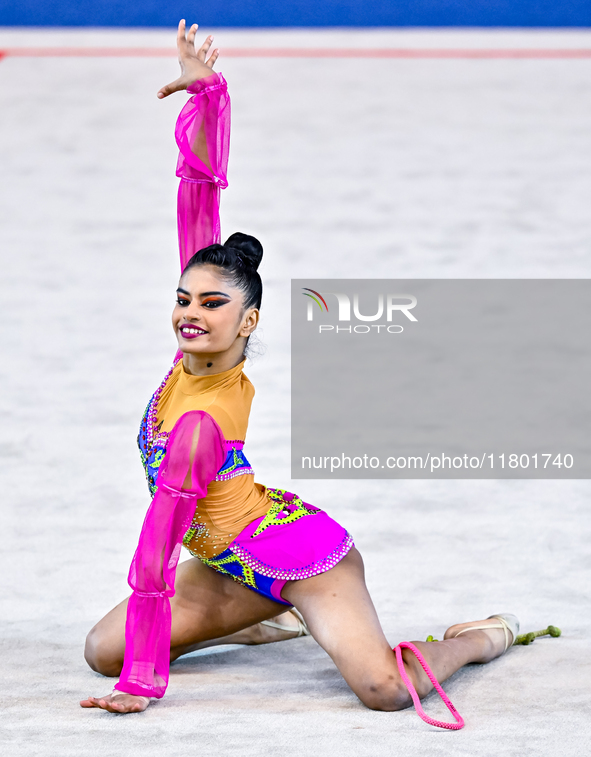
(191, 332)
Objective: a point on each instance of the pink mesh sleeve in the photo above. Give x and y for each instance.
(203, 138)
(196, 447)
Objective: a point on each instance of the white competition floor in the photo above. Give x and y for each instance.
(354, 167)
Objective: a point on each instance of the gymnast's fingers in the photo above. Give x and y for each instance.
(204, 49)
(191, 35)
(99, 702)
(107, 703)
(180, 35)
(212, 58)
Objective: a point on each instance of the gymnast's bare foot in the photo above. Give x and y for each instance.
(491, 642)
(117, 701)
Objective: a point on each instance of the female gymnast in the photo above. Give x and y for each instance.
(256, 551)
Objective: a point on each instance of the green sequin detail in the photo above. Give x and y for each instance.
(191, 533)
(230, 468)
(217, 563)
(280, 505)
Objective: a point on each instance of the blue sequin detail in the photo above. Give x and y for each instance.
(228, 563)
(234, 465)
(152, 456)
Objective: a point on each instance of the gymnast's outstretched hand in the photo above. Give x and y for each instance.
(118, 701)
(194, 63)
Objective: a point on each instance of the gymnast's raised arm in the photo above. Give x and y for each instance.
(203, 137)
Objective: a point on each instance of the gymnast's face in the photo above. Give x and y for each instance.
(210, 321)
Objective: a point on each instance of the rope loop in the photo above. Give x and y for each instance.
(415, 697)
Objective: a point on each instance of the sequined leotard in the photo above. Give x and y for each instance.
(233, 498)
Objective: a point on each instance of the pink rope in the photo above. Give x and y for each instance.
(415, 697)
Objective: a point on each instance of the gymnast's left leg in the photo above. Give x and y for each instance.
(341, 617)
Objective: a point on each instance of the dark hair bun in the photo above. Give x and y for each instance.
(250, 249)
